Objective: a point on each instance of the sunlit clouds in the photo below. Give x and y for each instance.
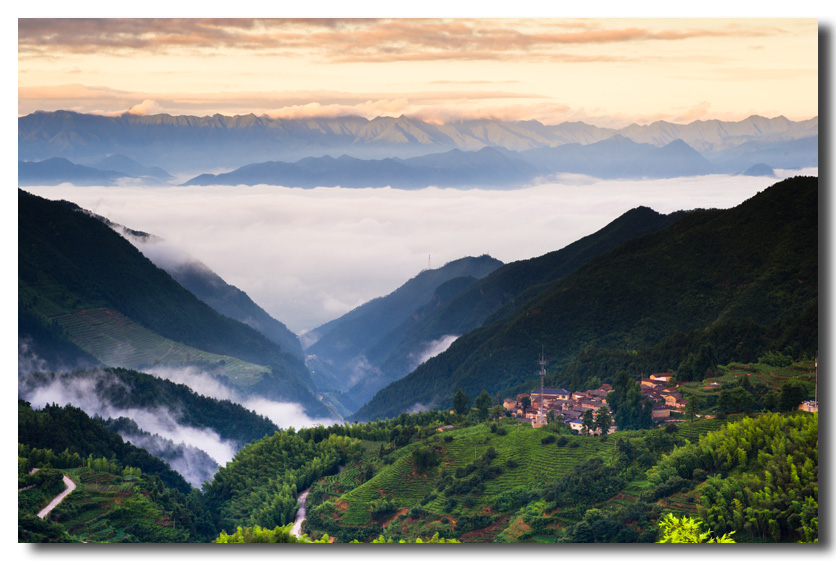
(609, 72)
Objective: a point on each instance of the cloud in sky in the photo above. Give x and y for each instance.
(596, 67)
(310, 255)
(364, 40)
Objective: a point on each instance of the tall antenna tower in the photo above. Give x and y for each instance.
(429, 263)
(541, 412)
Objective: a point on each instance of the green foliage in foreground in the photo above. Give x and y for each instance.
(768, 489)
(257, 534)
(687, 530)
(283, 534)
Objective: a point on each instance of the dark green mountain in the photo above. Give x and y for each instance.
(754, 264)
(204, 283)
(456, 311)
(69, 428)
(124, 389)
(87, 287)
(340, 358)
(233, 302)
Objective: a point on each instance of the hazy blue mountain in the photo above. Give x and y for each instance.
(620, 157)
(195, 145)
(780, 154)
(60, 170)
(207, 285)
(760, 170)
(714, 135)
(749, 273)
(615, 157)
(233, 302)
(488, 167)
(128, 166)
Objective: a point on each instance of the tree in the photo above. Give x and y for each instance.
(792, 394)
(588, 422)
(461, 402)
(525, 402)
(687, 530)
(603, 420)
(692, 406)
(483, 403)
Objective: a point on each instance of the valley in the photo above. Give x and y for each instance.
(409, 280)
(476, 472)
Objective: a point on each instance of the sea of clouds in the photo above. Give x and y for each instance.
(310, 255)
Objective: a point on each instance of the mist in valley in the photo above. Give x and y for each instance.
(310, 255)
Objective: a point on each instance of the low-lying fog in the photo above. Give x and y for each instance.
(310, 255)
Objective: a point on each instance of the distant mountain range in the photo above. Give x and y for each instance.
(354, 151)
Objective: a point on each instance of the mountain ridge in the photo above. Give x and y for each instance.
(755, 263)
(188, 144)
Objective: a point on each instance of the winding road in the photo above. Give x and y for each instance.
(55, 502)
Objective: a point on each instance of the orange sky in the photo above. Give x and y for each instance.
(606, 72)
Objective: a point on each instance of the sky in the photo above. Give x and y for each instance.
(608, 72)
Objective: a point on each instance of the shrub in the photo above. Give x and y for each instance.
(548, 439)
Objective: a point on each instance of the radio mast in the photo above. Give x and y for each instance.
(540, 420)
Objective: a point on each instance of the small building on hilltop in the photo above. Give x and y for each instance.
(809, 406)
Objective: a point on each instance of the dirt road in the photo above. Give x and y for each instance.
(70, 488)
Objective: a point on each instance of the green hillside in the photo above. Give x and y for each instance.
(468, 308)
(754, 266)
(86, 290)
(125, 389)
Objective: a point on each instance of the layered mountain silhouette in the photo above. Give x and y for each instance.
(386, 147)
(346, 350)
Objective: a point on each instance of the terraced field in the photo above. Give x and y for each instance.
(400, 483)
(117, 340)
(85, 512)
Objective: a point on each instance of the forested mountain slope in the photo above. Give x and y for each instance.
(82, 283)
(756, 263)
(468, 309)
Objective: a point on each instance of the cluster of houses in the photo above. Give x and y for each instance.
(572, 405)
(665, 399)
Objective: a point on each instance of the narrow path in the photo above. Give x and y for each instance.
(300, 514)
(48, 508)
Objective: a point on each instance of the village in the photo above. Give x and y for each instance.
(571, 406)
